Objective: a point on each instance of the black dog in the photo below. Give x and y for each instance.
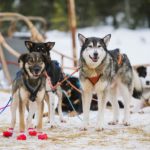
(71, 95)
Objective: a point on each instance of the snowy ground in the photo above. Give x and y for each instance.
(68, 135)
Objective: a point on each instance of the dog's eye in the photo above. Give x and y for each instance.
(30, 61)
(98, 46)
(90, 46)
(40, 61)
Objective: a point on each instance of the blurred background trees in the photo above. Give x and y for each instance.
(118, 13)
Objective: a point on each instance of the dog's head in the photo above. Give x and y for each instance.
(33, 64)
(43, 48)
(142, 71)
(93, 49)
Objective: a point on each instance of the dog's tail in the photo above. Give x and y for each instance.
(137, 92)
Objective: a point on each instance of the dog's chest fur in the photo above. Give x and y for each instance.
(101, 70)
(24, 93)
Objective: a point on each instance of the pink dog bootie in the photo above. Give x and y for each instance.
(42, 136)
(32, 132)
(21, 136)
(8, 133)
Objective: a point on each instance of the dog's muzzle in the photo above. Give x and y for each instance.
(95, 57)
(36, 70)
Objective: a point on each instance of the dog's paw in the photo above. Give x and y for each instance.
(113, 122)
(72, 114)
(8, 133)
(99, 129)
(83, 129)
(63, 121)
(42, 136)
(126, 123)
(32, 132)
(21, 137)
(141, 112)
(52, 126)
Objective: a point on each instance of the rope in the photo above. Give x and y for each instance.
(3, 108)
(71, 104)
(73, 86)
(59, 83)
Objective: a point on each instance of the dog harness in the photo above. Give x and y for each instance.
(120, 59)
(33, 90)
(94, 80)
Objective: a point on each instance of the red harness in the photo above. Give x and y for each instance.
(94, 80)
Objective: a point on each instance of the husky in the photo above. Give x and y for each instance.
(104, 72)
(54, 72)
(28, 88)
(144, 96)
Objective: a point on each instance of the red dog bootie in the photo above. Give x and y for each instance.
(8, 133)
(42, 136)
(22, 136)
(32, 132)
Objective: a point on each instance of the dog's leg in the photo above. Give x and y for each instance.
(13, 108)
(21, 115)
(101, 107)
(32, 111)
(86, 102)
(48, 105)
(59, 93)
(22, 135)
(115, 106)
(127, 98)
(40, 106)
(52, 109)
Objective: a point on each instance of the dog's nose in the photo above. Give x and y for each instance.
(95, 54)
(37, 69)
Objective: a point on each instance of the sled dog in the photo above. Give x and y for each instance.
(104, 72)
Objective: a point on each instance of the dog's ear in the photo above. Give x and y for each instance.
(29, 45)
(81, 39)
(49, 45)
(107, 39)
(22, 59)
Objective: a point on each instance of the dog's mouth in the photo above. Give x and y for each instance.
(94, 59)
(35, 74)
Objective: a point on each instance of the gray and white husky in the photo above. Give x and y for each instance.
(102, 73)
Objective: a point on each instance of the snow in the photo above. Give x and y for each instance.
(69, 136)
(136, 44)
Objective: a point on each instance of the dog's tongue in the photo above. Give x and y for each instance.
(94, 59)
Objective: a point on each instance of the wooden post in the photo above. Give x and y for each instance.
(72, 23)
(62, 61)
(4, 66)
